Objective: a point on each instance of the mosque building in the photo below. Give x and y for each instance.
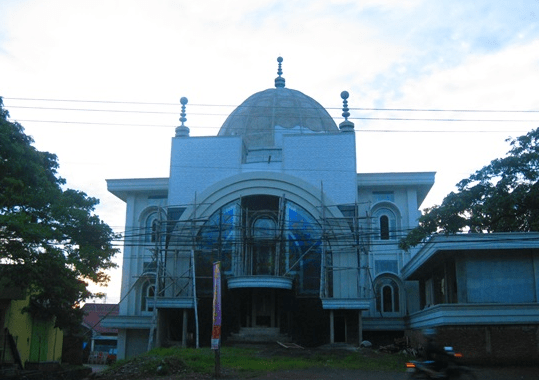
(307, 243)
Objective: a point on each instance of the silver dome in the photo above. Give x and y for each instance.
(257, 117)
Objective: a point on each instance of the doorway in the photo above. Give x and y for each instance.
(263, 308)
(258, 308)
(340, 328)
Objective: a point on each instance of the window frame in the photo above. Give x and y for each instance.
(386, 230)
(388, 295)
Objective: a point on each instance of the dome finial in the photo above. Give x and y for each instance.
(182, 130)
(346, 125)
(279, 81)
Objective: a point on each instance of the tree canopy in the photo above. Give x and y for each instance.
(51, 242)
(503, 196)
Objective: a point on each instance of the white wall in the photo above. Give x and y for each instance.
(198, 162)
(327, 158)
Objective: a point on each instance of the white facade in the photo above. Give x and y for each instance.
(308, 246)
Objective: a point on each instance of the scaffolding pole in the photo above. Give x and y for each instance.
(157, 248)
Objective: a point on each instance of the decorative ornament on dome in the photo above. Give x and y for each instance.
(182, 130)
(279, 81)
(346, 125)
(264, 117)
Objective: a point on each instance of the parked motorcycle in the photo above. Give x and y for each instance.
(454, 370)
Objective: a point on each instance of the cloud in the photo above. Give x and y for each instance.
(386, 53)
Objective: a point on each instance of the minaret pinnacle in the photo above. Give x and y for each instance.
(346, 125)
(182, 130)
(279, 81)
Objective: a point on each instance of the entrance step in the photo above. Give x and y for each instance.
(258, 335)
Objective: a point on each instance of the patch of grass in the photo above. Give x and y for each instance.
(374, 361)
(255, 361)
(247, 360)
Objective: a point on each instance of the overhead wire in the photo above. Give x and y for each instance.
(223, 105)
(360, 109)
(230, 105)
(342, 240)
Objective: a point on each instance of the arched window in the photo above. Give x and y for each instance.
(385, 221)
(264, 228)
(153, 228)
(387, 295)
(148, 290)
(150, 228)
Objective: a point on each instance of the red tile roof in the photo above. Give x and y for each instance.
(95, 312)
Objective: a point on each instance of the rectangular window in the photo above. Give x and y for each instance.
(381, 266)
(379, 196)
(149, 266)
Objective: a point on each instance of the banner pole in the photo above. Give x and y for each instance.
(216, 330)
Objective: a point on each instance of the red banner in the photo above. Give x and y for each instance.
(216, 331)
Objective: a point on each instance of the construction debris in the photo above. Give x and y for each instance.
(289, 345)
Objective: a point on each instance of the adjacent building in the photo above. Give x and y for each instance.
(480, 291)
(100, 339)
(23, 338)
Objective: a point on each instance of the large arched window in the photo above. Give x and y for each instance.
(262, 235)
(387, 295)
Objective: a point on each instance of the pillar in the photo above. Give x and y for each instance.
(360, 326)
(331, 327)
(184, 328)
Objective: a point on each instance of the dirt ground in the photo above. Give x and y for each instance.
(483, 373)
(509, 373)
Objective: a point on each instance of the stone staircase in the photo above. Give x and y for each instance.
(258, 335)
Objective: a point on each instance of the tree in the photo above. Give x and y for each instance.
(503, 196)
(51, 242)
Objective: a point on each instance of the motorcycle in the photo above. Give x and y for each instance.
(454, 370)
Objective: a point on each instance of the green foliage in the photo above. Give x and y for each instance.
(501, 197)
(51, 243)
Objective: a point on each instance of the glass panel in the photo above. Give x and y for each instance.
(264, 252)
(387, 295)
(150, 228)
(263, 257)
(387, 298)
(218, 239)
(264, 228)
(384, 227)
(303, 248)
(380, 196)
(396, 299)
(386, 266)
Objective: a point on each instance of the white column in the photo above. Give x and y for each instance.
(184, 328)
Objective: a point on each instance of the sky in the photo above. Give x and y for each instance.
(434, 85)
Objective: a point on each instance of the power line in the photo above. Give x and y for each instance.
(230, 105)
(205, 114)
(356, 130)
(352, 117)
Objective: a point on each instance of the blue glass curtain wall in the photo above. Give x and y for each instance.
(261, 236)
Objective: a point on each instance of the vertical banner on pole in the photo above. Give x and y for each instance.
(216, 332)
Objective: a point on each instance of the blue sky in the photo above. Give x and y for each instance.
(388, 54)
